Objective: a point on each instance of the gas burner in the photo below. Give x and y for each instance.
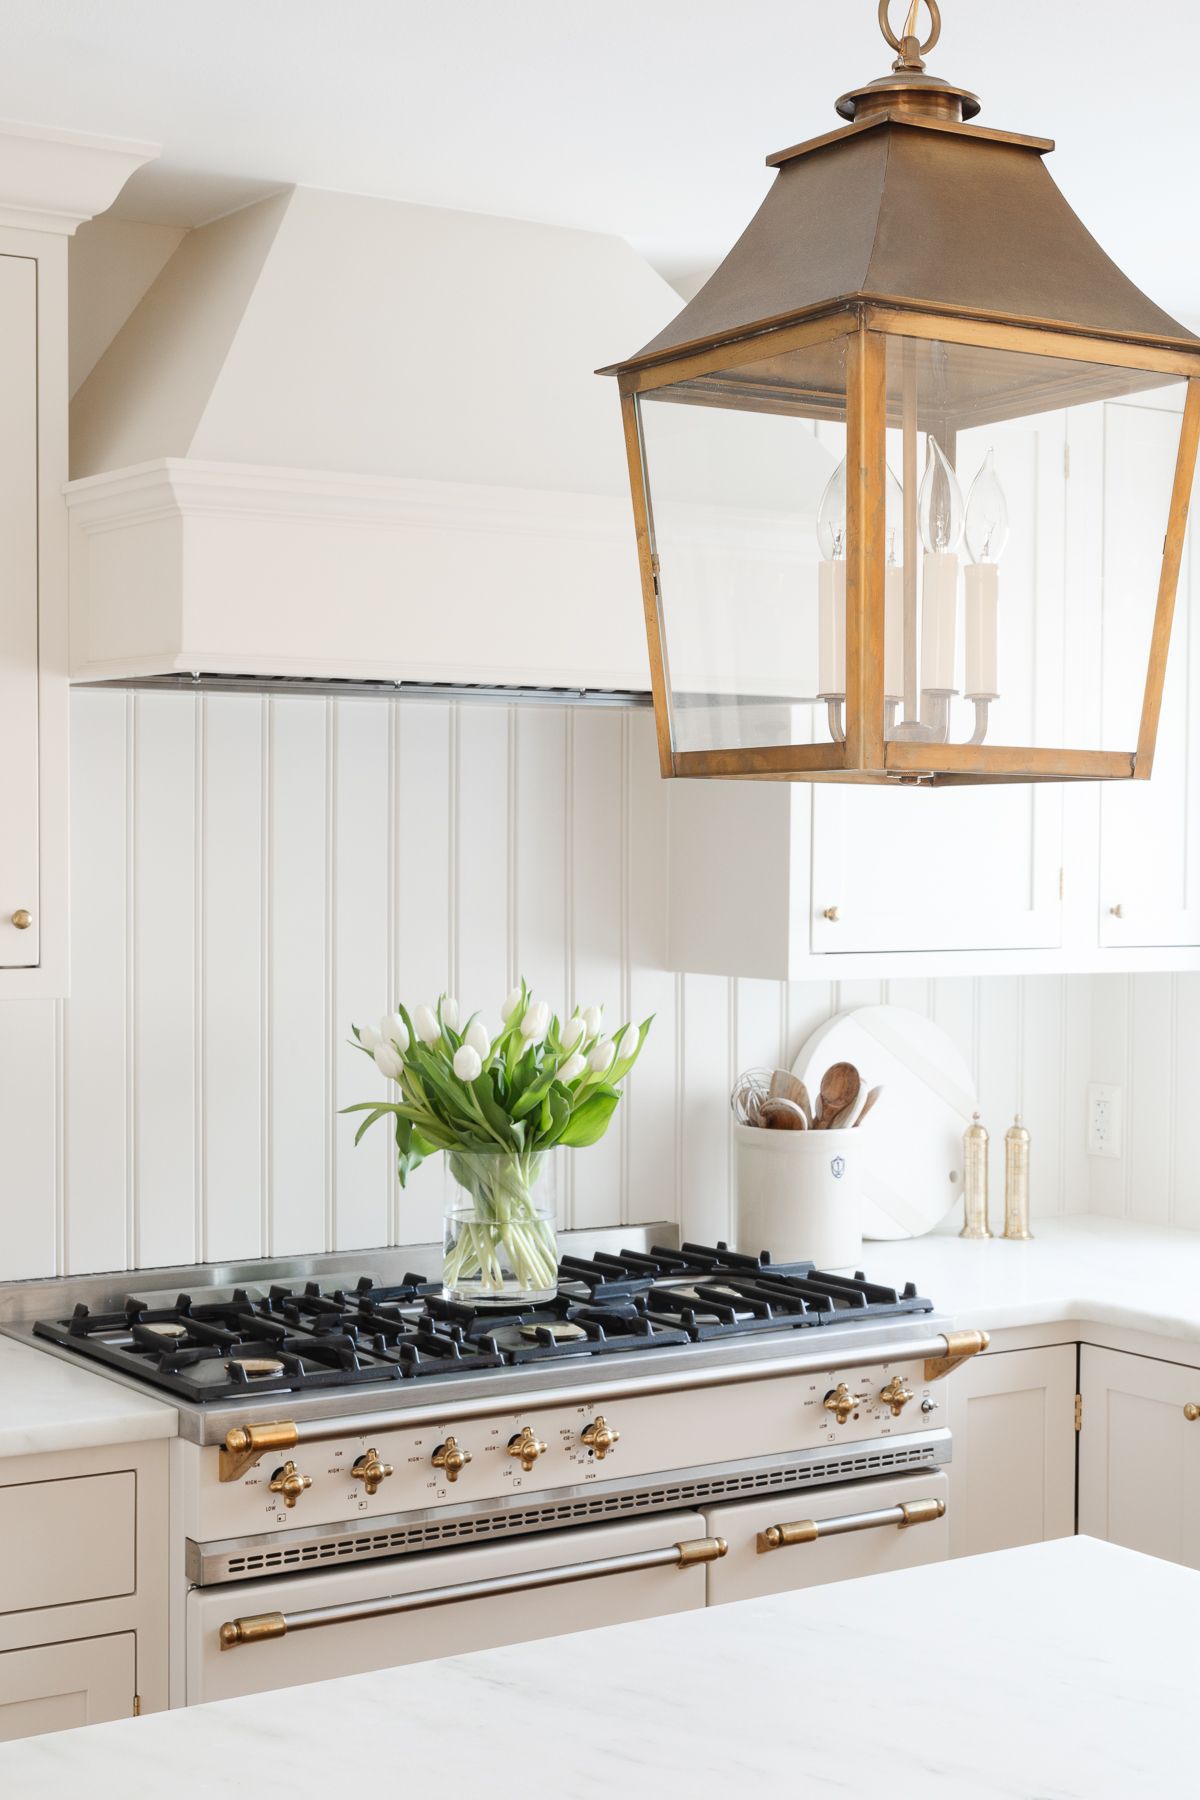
(229, 1343)
(555, 1331)
(255, 1368)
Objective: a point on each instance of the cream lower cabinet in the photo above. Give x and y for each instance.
(1139, 1454)
(1012, 1480)
(54, 1687)
(83, 1587)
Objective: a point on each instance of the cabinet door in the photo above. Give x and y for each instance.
(1149, 833)
(19, 886)
(1139, 1455)
(975, 868)
(58, 1686)
(1012, 1480)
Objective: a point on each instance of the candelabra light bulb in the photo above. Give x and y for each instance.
(940, 507)
(831, 516)
(987, 527)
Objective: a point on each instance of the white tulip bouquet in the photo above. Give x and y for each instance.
(496, 1102)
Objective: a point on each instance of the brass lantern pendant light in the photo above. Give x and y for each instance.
(911, 472)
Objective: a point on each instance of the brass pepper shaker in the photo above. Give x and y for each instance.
(1016, 1181)
(975, 1181)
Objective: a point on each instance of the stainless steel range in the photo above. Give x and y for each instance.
(368, 1474)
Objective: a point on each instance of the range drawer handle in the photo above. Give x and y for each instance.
(808, 1531)
(258, 1627)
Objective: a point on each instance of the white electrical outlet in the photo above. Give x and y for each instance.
(1104, 1120)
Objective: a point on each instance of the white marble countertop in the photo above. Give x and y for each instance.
(1066, 1671)
(48, 1403)
(1103, 1271)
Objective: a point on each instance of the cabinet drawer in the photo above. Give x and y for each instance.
(67, 1541)
(747, 1572)
(59, 1686)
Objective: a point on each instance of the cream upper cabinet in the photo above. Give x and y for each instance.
(1139, 1454)
(20, 762)
(810, 880)
(1012, 1480)
(50, 181)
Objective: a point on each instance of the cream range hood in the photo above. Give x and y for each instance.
(348, 440)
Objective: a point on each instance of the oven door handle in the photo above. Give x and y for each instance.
(258, 1627)
(809, 1531)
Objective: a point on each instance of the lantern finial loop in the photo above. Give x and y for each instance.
(910, 51)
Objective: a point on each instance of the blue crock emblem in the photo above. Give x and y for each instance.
(838, 1167)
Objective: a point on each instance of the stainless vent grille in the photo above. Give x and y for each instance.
(251, 1559)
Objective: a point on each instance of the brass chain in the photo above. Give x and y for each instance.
(905, 46)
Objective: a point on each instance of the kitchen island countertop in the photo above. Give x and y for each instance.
(1064, 1671)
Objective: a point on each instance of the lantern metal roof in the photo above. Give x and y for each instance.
(911, 205)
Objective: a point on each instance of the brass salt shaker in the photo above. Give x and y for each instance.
(1016, 1181)
(975, 1181)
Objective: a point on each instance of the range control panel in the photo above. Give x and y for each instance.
(534, 1451)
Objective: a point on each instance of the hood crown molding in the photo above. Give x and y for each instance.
(55, 180)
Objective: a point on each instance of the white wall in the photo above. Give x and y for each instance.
(252, 875)
(1146, 1041)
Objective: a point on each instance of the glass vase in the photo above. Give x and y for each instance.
(500, 1241)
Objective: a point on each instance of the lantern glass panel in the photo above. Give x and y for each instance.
(748, 504)
(1032, 548)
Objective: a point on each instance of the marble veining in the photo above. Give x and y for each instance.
(48, 1403)
(1063, 1671)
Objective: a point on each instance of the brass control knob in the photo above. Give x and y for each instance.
(526, 1448)
(601, 1437)
(841, 1402)
(1191, 1412)
(370, 1471)
(448, 1456)
(897, 1395)
(289, 1482)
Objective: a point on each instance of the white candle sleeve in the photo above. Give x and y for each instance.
(983, 664)
(831, 630)
(939, 620)
(893, 632)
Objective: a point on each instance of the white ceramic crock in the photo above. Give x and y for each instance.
(796, 1195)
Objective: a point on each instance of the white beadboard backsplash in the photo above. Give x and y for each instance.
(250, 875)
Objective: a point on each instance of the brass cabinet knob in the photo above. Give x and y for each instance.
(601, 1437)
(450, 1457)
(1118, 912)
(1191, 1412)
(841, 1402)
(526, 1448)
(371, 1472)
(897, 1395)
(22, 919)
(289, 1482)
(832, 914)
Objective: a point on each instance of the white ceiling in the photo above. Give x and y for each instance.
(648, 118)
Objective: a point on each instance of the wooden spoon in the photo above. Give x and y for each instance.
(780, 1114)
(786, 1086)
(839, 1091)
(872, 1097)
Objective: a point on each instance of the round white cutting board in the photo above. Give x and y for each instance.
(909, 1167)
